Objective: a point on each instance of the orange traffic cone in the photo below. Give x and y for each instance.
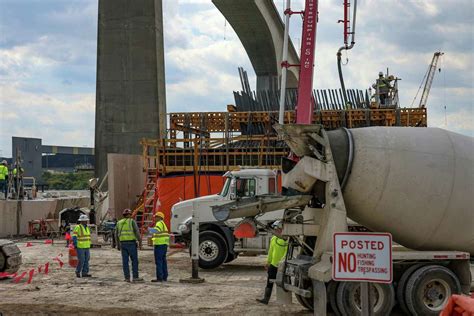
(72, 256)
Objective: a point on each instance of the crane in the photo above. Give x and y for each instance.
(429, 79)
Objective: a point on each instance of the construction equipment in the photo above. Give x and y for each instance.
(44, 228)
(428, 80)
(10, 256)
(347, 31)
(217, 244)
(421, 193)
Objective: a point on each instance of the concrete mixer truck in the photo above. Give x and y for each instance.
(415, 183)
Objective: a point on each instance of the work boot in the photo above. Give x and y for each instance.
(156, 280)
(78, 275)
(138, 280)
(126, 280)
(266, 297)
(87, 275)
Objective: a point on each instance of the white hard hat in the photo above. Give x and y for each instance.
(4, 162)
(83, 218)
(380, 73)
(277, 224)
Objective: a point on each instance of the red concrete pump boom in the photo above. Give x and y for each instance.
(304, 106)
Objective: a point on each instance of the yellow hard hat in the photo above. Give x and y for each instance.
(160, 214)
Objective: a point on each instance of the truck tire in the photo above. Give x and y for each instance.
(305, 301)
(212, 250)
(348, 298)
(331, 297)
(429, 288)
(401, 287)
(231, 257)
(10, 256)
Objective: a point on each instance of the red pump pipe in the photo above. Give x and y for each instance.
(304, 106)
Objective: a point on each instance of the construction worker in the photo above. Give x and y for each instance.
(161, 240)
(18, 180)
(382, 86)
(128, 235)
(4, 178)
(277, 251)
(81, 238)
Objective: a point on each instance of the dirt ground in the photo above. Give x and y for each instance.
(230, 289)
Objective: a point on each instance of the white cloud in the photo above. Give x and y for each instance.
(47, 86)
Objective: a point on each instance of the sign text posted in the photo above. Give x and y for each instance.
(362, 257)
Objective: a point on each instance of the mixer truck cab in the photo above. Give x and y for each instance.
(217, 244)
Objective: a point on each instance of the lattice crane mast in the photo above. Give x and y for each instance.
(429, 79)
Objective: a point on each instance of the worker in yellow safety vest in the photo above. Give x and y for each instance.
(128, 236)
(161, 240)
(277, 251)
(17, 174)
(81, 238)
(4, 178)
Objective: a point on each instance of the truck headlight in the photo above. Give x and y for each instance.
(183, 228)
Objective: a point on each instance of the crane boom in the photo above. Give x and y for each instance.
(429, 79)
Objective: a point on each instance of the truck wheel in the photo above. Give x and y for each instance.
(429, 289)
(305, 301)
(10, 256)
(348, 298)
(231, 257)
(331, 296)
(212, 250)
(401, 287)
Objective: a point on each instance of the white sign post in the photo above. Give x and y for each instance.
(363, 257)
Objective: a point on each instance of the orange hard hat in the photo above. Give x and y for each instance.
(160, 214)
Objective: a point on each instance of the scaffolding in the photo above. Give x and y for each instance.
(222, 141)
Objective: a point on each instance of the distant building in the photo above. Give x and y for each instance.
(36, 158)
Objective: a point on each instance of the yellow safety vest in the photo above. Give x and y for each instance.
(277, 251)
(15, 171)
(161, 237)
(3, 172)
(125, 230)
(83, 235)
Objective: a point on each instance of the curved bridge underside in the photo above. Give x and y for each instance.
(260, 29)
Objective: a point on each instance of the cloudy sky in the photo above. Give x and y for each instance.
(48, 60)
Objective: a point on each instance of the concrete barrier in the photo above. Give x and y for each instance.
(15, 215)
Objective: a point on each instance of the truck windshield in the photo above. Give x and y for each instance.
(225, 188)
(245, 187)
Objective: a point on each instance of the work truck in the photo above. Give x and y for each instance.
(414, 183)
(217, 243)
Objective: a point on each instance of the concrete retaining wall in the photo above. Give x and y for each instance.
(15, 215)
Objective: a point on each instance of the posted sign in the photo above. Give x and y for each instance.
(362, 257)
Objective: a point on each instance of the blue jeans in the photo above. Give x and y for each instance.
(160, 261)
(3, 187)
(129, 250)
(83, 255)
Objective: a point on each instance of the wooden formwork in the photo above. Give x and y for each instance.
(191, 146)
(209, 122)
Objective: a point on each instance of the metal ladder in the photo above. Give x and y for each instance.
(144, 214)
